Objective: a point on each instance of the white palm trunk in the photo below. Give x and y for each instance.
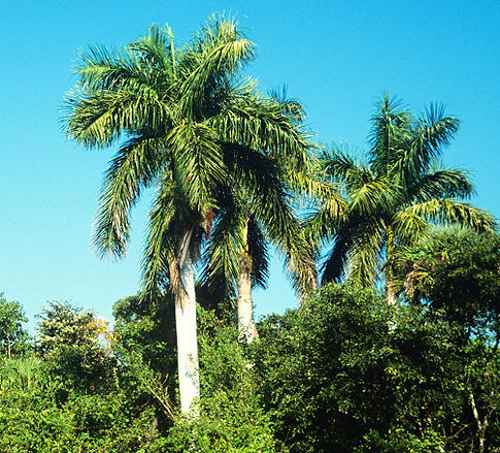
(187, 341)
(246, 324)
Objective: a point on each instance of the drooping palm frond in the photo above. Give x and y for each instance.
(258, 249)
(441, 183)
(164, 219)
(226, 244)
(333, 267)
(449, 211)
(374, 197)
(261, 123)
(364, 254)
(134, 167)
(200, 160)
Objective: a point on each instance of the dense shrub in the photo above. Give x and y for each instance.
(348, 373)
(33, 419)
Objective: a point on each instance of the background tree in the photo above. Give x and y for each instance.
(395, 197)
(75, 345)
(13, 336)
(349, 373)
(457, 274)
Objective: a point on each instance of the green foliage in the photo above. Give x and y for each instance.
(13, 336)
(457, 271)
(33, 418)
(231, 417)
(73, 342)
(348, 373)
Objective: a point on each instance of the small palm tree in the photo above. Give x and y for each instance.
(393, 198)
(189, 126)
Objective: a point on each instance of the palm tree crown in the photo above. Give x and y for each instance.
(393, 198)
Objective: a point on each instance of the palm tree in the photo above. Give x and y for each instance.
(189, 126)
(393, 198)
(243, 231)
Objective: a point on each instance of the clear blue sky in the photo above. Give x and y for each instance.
(337, 57)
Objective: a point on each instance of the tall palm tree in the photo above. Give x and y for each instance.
(189, 126)
(392, 199)
(239, 244)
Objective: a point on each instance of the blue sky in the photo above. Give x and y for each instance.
(337, 57)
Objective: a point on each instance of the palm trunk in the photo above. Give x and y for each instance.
(246, 324)
(185, 324)
(391, 289)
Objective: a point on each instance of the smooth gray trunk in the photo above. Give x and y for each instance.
(187, 341)
(246, 323)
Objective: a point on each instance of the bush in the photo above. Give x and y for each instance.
(348, 373)
(33, 420)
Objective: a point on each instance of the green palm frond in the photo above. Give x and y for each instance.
(409, 225)
(219, 52)
(376, 196)
(135, 166)
(390, 129)
(333, 266)
(200, 160)
(364, 255)
(432, 132)
(261, 124)
(258, 249)
(157, 50)
(449, 211)
(442, 183)
(99, 119)
(226, 244)
(338, 165)
(165, 227)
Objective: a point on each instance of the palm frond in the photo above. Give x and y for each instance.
(101, 118)
(339, 166)
(226, 244)
(136, 164)
(200, 161)
(449, 211)
(165, 220)
(390, 129)
(261, 124)
(218, 53)
(258, 249)
(432, 131)
(442, 183)
(364, 255)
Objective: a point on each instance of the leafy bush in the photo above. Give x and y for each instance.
(33, 419)
(348, 373)
(73, 342)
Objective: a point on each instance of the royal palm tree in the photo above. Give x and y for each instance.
(238, 248)
(392, 199)
(189, 126)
